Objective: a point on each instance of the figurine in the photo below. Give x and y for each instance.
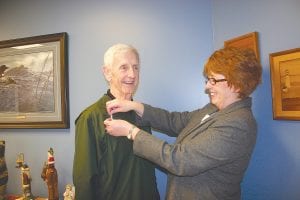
(3, 170)
(69, 193)
(49, 175)
(26, 178)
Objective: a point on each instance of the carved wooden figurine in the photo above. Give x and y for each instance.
(25, 177)
(3, 170)
(69, 193)
(49, 175)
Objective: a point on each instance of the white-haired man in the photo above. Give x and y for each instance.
(104, 166)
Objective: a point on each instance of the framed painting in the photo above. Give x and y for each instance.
(34, 82)
(247, 41)
(285, 80)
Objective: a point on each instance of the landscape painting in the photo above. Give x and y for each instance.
(26, 83)
(33, 82)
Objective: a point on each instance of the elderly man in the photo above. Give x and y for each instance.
(104, 166)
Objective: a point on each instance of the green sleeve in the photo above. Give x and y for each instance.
(85, 173)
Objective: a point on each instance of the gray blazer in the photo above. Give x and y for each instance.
(209, 158)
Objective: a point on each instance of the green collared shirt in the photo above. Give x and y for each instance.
(104, 166)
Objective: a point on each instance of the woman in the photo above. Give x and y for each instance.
(214, 144)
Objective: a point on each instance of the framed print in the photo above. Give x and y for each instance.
(249, 41)
(34, 82)
(285, 80)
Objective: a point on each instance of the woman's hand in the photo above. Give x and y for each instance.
(118, 105)
(117, 127)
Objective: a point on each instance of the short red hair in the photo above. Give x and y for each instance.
(239, 66)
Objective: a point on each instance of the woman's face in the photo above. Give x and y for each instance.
(220, 94)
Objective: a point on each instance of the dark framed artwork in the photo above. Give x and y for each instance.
(285, 80)
(247, 41)
(34, 82)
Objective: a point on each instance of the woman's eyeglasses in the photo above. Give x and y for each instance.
(214, 81)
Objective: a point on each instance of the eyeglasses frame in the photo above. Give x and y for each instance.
(214, 81)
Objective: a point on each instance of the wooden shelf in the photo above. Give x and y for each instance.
(18, 197)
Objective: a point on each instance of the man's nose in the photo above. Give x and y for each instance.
(131, 72)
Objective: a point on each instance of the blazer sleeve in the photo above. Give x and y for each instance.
(170, 123)
(216, 143)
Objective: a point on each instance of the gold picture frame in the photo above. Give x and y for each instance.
(34, 82)
(285, 80)
(249, 40)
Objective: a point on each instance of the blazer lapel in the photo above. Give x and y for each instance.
(199, 122)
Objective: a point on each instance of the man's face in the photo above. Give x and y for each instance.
(123, 76)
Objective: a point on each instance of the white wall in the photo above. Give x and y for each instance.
(173, 37)
(274, 171)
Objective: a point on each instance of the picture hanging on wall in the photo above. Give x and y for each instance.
(285, 80)
(34, 82)
(247, 41)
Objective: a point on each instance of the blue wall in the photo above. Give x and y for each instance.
(173, 37)
(274, 171)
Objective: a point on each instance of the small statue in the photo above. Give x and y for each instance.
(26, 178)
(69, 193)
(49, 175)
(3, 170)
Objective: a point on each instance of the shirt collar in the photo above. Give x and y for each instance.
(108, 93)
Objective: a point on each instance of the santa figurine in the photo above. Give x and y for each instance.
(49, 175)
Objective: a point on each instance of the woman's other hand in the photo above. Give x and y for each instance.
(118, 105)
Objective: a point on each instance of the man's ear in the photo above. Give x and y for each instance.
(107, 73)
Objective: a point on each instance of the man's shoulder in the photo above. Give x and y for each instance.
(97, 108)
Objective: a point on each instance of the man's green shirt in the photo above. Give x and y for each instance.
(104, 166)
